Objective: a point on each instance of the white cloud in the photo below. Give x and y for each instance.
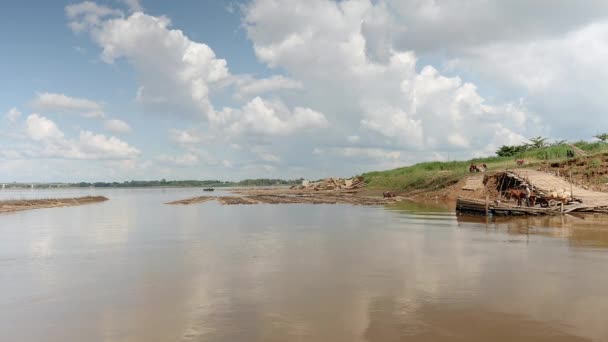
(455, 25)
(175, 72)
(134, 5)
(360, 159)
(40, 128)
(562, 78)
(353, 139)
(248, 87)
(187, 159)
(99, 146)
(274, 118)
(458, 140)
(371, 153)
(324, 44)
(183, 137)
(88, 14)
(178, 75)
(13, 115)
(360, 65)
(117, 126)
(50, 142)
(265, 156)
(63, 104)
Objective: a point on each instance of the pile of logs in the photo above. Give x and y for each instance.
(330, 184)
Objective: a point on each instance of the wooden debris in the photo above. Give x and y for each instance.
(332, 184)
(200, 199)
(236, 200)
(278, 196)
(18, 205)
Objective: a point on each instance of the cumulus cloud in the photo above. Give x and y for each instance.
(40, 128)
(63, 104)
(178, 75)
(456, 25)
(323, 43)
(88, 14)
(117, 126)
(360, 67)
(50, 142)
(175, 72)
(13, 115)
(99, 146)
(562, 78)
(274, 118)
(248, 87)
(184, 137)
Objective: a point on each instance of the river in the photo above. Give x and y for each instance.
(134, 269)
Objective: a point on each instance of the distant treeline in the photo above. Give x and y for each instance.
(187, 183)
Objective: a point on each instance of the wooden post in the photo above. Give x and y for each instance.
(500, 189)
(487, 203)
(570, 171)
(571, 194)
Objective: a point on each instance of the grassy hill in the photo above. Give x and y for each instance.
(437, 175)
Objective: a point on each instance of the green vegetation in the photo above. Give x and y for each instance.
(188, 183)
(162, 183)
(602, 137)
(437, 175)
(535, 144)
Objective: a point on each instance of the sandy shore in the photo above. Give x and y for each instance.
(18, 205)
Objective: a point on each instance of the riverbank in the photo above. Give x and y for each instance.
(446, 180)
(29, 204)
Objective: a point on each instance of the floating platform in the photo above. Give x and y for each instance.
(477, 207)
(488, 196)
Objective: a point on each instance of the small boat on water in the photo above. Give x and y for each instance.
(208, 189)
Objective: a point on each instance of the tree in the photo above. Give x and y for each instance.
(538, 142)
(510, 151)
(602, 137)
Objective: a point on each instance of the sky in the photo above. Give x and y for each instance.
(116, 90)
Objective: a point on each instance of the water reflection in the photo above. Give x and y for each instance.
(132, 269)
(583, 230)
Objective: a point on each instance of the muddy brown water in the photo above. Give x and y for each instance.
(133, 269)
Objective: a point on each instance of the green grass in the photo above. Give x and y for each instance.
(437, 175)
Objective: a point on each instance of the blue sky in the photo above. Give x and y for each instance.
(122, 89)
